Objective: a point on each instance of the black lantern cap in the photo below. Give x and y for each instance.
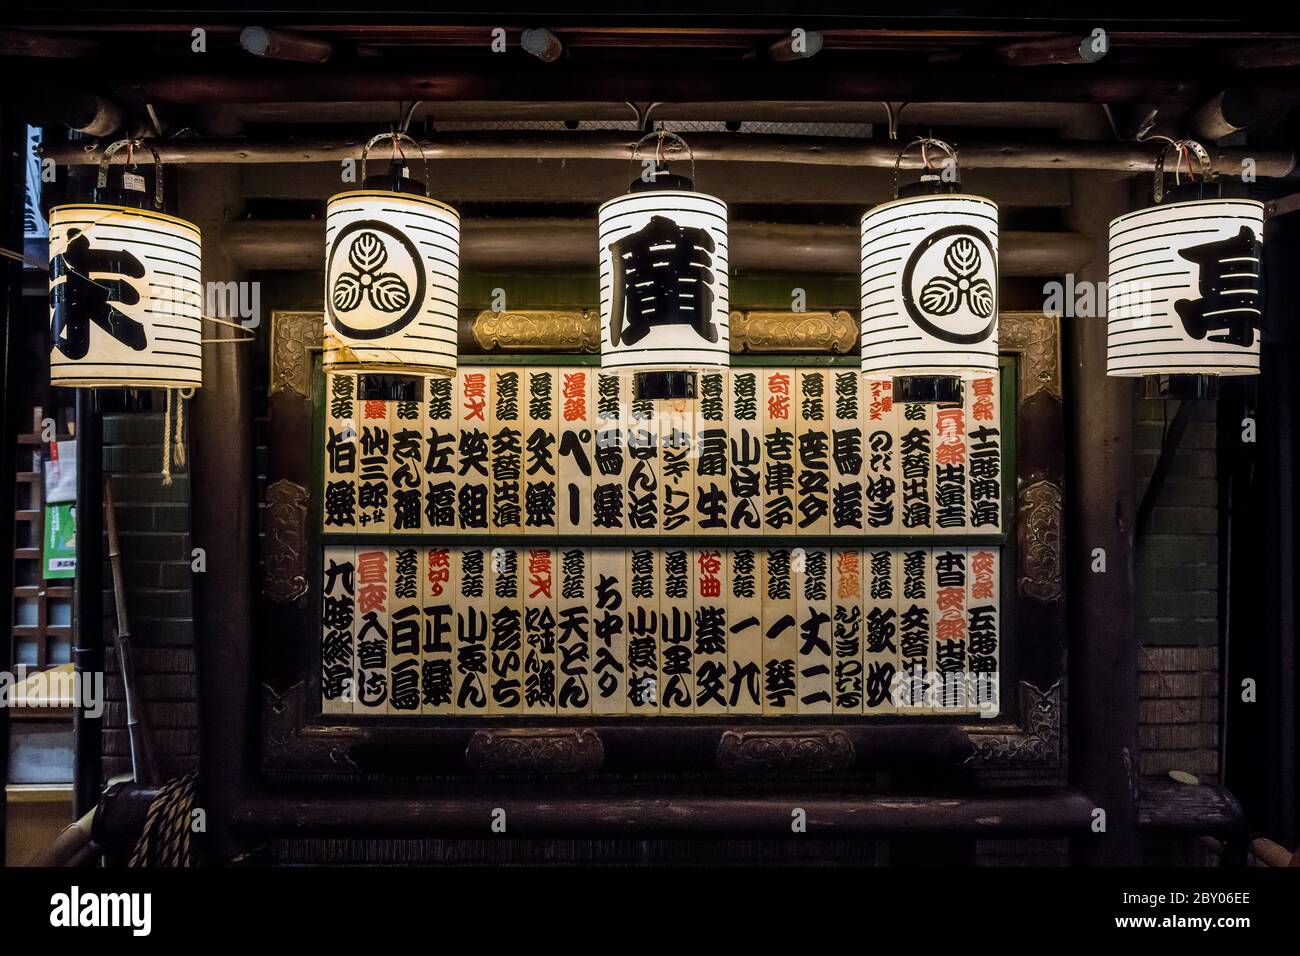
(1182, 387)
(396, 180)
(930, 184)
(929, 389)
(116, 192)
(662, 385)
(662, 179)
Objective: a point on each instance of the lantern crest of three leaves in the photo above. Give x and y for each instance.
(387, 291)
(392, 283)
(943, 295)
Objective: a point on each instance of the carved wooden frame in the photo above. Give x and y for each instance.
(1025, 743)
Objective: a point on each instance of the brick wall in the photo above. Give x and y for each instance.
(153, 533)
(1176, 607)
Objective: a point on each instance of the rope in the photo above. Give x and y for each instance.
(173, 436)
(167, 442)
(165, 840)
(178, 444)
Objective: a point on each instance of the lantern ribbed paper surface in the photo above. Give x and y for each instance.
(1183, 295)
(663, 281)
(126, 298)
(930, 286)
(392, 283)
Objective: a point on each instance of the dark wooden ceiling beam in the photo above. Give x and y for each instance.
(835, 191)
(31, 43)
(660, 80)
(284, 45)
(728, 147)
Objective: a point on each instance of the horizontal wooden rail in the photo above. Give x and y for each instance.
(570, 243)
(532, 812)
(717, 147)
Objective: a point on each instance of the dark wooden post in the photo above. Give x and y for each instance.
(223, 524)
(1103, 658)
(13, 134)
(88, 632)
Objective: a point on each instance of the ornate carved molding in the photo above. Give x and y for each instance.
(541, 751)
(781, 331)
(293, 334)
(286, 542)
(1036, 743)
(1036, 338)
(772, 750)
(569, 330)
(1040, 513)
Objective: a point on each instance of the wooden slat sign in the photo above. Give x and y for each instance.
(659, 631)
(761, 451)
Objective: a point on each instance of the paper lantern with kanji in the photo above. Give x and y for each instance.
(126, 298)
(663, 279)
(1183, 296)
(929, 284)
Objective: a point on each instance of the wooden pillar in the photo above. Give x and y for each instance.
(88, 598)
(223, 524)
(1103, 654)
(13, 134)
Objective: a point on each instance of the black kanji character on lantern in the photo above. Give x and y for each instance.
(1229, 287)
(662, 276)
(80, 299)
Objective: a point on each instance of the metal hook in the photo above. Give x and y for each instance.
(102, 180)
(660, 136)
(395, 136)
(924, 142)
(1185, 147)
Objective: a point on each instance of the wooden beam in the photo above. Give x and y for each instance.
(224, 524)
(609, 812)
(722, 147)
(936, 114)
(542, 43)
(45, 45)
(658, 81)
(849, 189)
(284, 45)
(1103, 656)
(1224, 114)
(1275, 54)
(571, 244)
(796, 45)
(1055, 51)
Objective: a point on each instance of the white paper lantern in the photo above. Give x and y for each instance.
(126, 294)
(930, 286)
(1183, 290)
(663, 280)
(392, 282)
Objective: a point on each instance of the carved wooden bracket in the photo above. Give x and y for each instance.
(1036, 743)
(293, 335)
(537, 751)
(833, 333)
(285, 579)
(1036, 338)
(773, 750)
(1038, 525)
(536, 330)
